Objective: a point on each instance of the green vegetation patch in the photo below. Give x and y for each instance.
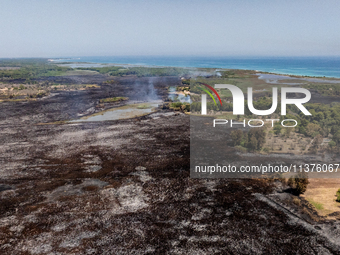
(252, 140)
(139, 71)
(110, 70)
(317, 205)
(325, 89)
(113, 99)
(144, 106)
(179, 106)
(30, 69)
(338, 195)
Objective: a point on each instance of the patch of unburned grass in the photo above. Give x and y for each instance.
(317, 205)
(18, 100)
(114, 99)
(144, 106)
(91, 86)
(59, 122)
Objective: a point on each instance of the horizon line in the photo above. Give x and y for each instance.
(199, 56)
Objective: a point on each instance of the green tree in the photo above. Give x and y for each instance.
(317, 141)
(312, 129)
(236, 136)
(253, 143)
(336, 137)
(319, 116)
(332, 144)
(256, 138)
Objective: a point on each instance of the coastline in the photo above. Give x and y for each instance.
(258, 72)
(314, 67)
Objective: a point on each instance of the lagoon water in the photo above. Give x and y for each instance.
(310, 66)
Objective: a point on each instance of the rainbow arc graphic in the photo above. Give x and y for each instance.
(204, 97)
(213, 90)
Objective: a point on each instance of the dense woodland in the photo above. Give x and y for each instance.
(324, 121)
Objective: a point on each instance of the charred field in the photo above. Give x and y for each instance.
(124, 186)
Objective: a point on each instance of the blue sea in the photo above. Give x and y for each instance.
(310, 66)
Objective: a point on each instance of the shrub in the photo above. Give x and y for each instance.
(185, 107)
(41, 94)
(291, 182)
(179, 106)
(338, 195)
(301, 182)
(186, 81)
(266, 150)
(240, 148)
(296, 201)
(176, 105)
(298, 183)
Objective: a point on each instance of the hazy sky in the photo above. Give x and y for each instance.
(56, 28)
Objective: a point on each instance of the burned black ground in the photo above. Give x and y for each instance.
(123, 187)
